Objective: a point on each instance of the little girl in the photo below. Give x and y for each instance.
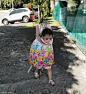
(41, 52)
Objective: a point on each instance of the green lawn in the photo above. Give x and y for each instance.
(48, 20)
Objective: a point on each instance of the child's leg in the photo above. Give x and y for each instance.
(37, 70)
(50, 76)
(49, 73)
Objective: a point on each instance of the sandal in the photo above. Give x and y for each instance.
(36, 75)
(52, 82)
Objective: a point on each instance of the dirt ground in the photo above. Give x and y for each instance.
(69, 69)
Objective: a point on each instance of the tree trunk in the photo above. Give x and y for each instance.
(49, 8)
(38, 13)
(78, 4)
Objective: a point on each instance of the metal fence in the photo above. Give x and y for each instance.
(75, 25)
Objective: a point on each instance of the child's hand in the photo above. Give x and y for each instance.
(48, 44)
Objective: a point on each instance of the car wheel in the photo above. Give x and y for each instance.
(12, 22)
(25, 19)
(5, 22)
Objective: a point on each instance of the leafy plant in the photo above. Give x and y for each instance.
(44, 7)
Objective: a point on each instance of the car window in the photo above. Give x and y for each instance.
(18, 11)
(25, 10)
(13, 12)
(21, 10)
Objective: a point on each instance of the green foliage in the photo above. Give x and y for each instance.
(25, 1)
(17, 2)
(51, 11)
(77, 3)
(24, 6)
(8, 3)
(1, 9)
(34, 3)
(44, 7)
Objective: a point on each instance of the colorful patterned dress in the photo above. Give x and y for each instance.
(41, 55)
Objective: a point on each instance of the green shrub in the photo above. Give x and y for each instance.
(1, 9)
(24, 6)
(51, 11)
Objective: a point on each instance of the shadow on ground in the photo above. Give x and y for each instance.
(14, 53)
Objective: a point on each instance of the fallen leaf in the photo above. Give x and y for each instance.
(9, 86)
(9, 63)
(3, 74)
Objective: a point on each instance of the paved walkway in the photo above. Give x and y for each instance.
(69, 70)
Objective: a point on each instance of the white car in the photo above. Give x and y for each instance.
(10, 10)
(35, 10)
(21, 14)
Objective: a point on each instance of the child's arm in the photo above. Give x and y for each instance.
(37, 33)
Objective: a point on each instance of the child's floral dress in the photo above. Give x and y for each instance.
(41, 55)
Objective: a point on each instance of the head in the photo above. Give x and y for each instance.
(47, 35)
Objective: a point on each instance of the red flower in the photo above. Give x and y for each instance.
(41, 63)
(31, 56)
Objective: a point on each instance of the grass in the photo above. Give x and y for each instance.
(51, 21)
(48, 20)
(30, 25)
